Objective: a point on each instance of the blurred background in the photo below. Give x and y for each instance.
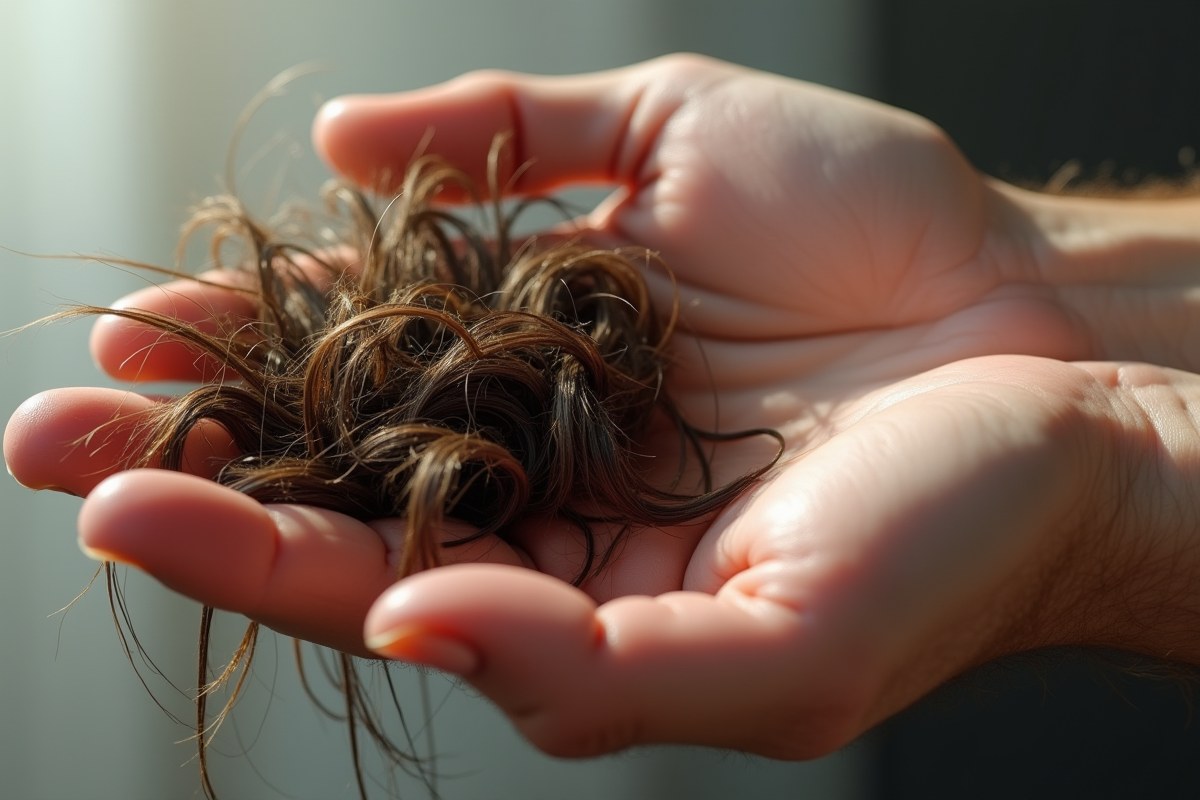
(115, 115)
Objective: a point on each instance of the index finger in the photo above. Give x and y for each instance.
(304, 571)
(596, 127)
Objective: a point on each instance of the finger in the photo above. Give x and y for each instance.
(580, 128)
(578, 680)
(72, 439)
(132, 351)
(303, 571)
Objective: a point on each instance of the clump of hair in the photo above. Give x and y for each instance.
(440, 374)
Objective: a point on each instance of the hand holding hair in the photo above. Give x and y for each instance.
(955, 489)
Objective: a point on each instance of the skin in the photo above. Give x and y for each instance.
(987, 396)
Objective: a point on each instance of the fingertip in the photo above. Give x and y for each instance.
(528, 641)
(373, 139)
(369, 139)
(19, 433)
(329, 112)
(70, 440)
(124, 349)
(478, 600)
(43, 440)
(132, 350)
(325, 129)
(96, 554)
(196, 537)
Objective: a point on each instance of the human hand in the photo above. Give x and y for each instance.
(989, 507)
(787, 210)
(864, 252)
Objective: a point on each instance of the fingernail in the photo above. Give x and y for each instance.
(102, 555)
(61, 489)
(418, 645)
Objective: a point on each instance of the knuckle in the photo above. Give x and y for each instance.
(485, 79)
(686, 65)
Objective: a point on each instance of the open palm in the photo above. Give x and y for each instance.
(844, 277)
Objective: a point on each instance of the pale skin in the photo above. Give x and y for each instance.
(987, 395)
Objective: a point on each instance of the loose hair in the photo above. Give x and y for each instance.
(441, 374)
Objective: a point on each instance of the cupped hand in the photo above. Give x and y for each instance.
(831, 257)
(974, 511)
(789, 210)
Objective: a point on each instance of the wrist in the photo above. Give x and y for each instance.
(1128, 573)
(1121, 269)
(1096, 239)
(1117, 561)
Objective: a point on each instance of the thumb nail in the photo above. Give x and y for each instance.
(416, 644)
(98, 554)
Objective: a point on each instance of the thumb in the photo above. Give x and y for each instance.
(580, 680)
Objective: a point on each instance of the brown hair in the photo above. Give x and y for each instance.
(441, 374)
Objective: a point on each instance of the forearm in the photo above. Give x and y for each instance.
(1130, 270)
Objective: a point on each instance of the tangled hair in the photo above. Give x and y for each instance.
(442, 374)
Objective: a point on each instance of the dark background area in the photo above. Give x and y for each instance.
(1056, 724)
(1026, 87)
